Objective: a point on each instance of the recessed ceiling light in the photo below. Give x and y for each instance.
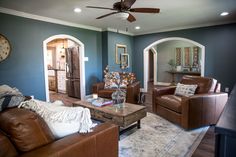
(224, 14)
(137, 27)
(77, 10)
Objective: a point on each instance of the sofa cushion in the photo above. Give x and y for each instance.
(106, 93)
(62, 120)
(9, 97)
(25, 128)
(185, 90)
(171, 102)
(6, 149)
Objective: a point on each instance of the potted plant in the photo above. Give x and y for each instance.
(172, 64)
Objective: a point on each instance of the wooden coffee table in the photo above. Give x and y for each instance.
(126, 118)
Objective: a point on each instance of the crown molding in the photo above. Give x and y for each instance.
(46, 19)
(66, 23)
(184, 27)
(118, 31)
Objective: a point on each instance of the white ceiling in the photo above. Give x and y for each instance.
(174, 14)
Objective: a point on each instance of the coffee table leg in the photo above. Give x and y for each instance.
(138, 124)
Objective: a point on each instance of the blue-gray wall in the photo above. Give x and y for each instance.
(220, 44)
(24, 68)
(112, 38)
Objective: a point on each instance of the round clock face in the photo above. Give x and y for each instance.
(4, 48)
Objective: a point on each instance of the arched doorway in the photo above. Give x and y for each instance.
(82, 65)
(146, 58)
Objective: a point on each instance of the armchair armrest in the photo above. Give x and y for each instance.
(202, 109)
(98, 86)
(92, 144)
(159, 92)
(132, 92)
(164, 91)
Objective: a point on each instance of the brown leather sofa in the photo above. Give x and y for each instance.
(203, 108)
(23, 133)
(132, 91)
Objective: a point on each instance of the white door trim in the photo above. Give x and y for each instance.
(145, 58)
(82, 65)
(155, 65)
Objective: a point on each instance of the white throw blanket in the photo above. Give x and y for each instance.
(62, 120)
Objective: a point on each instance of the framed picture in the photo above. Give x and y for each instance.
(178, 58)
(120, 49)
(187, 56)
(124, 60)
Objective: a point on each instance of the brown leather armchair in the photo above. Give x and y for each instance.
(203, 108)
(23, 133)
(132, 91)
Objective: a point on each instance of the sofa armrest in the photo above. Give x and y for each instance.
(202, 109)
(132, 92)
(98, 86)
(94, 144)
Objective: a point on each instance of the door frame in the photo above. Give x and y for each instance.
(82, 64)
(145, 58)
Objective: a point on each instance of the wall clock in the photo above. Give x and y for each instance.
(5, 48)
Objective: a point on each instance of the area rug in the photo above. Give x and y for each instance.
(159, 138)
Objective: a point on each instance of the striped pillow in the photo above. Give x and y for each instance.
(185, 90)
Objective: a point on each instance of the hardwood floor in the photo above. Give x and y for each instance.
(205, 149)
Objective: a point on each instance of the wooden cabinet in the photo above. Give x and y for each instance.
(61, 81)
(52, 83)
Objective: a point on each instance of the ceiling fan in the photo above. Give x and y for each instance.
(124, 6)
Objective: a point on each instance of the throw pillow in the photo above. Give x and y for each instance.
(9, 97)
(111, 80)
(61, 120)
(185, 90)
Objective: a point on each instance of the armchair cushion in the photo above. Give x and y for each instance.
(205, 84)
(171, 102)
(185, 90)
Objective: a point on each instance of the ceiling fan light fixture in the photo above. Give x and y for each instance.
(122, 15)
(224, 14)
(137, 27)
(77, 10)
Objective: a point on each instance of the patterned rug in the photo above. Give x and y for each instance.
(159, 138)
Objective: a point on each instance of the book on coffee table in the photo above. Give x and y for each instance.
(99, 102)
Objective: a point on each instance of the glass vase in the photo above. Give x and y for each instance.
(118, 98)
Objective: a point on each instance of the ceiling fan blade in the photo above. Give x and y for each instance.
(99, 7)
(128, 3)
(131, 18)
(145, 10)
(106, 15)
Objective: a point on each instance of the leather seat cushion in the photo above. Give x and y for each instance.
(171, 102)
(106, 93)
(25, 128)
(6, 147)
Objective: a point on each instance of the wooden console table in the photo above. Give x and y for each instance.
(174, 74)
